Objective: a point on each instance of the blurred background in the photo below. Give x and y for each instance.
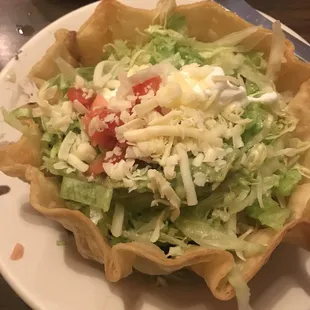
(22, 19)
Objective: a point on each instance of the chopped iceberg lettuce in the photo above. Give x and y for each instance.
(163, 47)
(66, 69)
(135, 200)
(241, 288)
(206, 236)
(47, 137)
(272, 215)
(86, 193)
(256, 60)
(86, 73)
(216, 175)
(251, 88)
(11, 119)
(177, 22)
(23, 112)
(177, 184)
(257, 115)
(288, 182)
(60, 81)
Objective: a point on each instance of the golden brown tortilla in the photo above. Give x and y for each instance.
(65, 46)
(112, 20)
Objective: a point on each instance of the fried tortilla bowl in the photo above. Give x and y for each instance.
(207, 21)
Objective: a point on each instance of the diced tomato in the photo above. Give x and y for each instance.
(96, 167)
(103, 113)
(143, 88)
(105, 139)
(122, 145)
(99, 102)
(79, 95)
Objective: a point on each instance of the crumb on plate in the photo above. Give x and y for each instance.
(18, 252)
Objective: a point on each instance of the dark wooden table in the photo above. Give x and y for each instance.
(36, 14)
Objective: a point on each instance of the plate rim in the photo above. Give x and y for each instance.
(41, 33)
(17, 287)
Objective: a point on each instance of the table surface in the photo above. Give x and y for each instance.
(36, 14)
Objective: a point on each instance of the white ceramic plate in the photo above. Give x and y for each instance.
(51, 277)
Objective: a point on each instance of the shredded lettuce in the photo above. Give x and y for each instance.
(47, 137)
(55, 149)
(241, 288)
(234, 38)
(204, 235)
(103, 225)
(86, 73)
(95, 214)
(177, 22)
(11, 119)
(276, 56)
(163, 10)
(135, 201)
(173, 236)
(257, 115)
(107, 70)
(228, 60)
(288, 182)
(256, 60)
(165, 47)
(23, 112)
(212, 175)
(117, 50)
(68, 73)
(60, 81)
(86, 193)
(272, 215)
(66, 69)
(251, 88)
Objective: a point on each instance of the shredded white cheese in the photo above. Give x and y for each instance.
(189, 186)
(198, 160)
(118, 171)
(79, 82)
(85, 152)
(118, 220)
(170, 131)
(77, 163)
(159, 183)
(66, 145)
(166, 119)
(200, 179)
(146, 106)
(79, 107)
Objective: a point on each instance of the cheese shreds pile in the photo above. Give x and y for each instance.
(186, 123)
